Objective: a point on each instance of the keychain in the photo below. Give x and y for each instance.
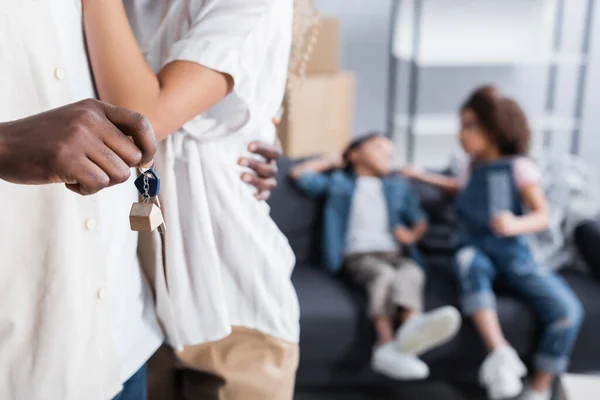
(147, 216)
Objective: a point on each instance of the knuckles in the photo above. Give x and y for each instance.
(122, 176)
(101, 181)
(135, 158)
(140, 123)
(271, 184)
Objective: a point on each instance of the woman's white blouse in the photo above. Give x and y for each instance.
(227, 263)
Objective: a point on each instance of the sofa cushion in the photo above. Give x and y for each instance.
(330, 315)
(436, 203)
(587, 237)
(298, 216)
(336, 331)
(586, 356)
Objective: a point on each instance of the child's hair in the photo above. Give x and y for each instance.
(502, 119)
(356, 144)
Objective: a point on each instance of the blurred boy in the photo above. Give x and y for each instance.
(372, 222)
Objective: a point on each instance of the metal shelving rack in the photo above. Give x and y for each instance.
(414, 71)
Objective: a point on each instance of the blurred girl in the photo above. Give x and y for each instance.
(498, 202)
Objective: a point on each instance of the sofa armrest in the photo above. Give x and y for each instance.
(587, 239)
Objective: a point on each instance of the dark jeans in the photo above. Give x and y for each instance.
(136, 387)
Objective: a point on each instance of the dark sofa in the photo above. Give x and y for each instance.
(337, 337)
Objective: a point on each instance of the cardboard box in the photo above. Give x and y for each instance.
(325, 57)
(318, 115)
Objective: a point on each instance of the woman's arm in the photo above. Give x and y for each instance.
(507, 224)
(179, 92)
(445, 183)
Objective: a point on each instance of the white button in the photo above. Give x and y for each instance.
(101, 294)
(90, 224)
(59, 74)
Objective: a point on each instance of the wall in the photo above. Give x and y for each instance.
(365, 30)
(590, 145)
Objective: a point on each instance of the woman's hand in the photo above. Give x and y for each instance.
(265, 171)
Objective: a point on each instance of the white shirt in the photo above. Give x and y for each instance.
(76, 318)
(227, 263)
(369, 223)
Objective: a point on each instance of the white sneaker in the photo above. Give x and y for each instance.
(501, 373)
(424, 332)
(388, 361)
(530, 394)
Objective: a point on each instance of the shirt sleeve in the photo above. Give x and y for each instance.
(313, 184)
(224, 36)
(414, 212)
(526, 173)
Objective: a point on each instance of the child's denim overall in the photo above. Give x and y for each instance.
(484, 257)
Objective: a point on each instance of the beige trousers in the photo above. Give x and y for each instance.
(390, 280)
(247, 365)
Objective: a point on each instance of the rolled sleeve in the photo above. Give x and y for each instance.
(413, 210)
(229, 36)
(313, 184)
(219, 32)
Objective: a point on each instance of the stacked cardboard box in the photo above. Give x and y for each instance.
(319, 112)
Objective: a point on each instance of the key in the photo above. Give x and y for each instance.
(153, 182)
(147, 216)
(162, 228)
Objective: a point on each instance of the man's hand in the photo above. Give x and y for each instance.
(265, 171)
(405, 236)
(88, 145)
(506, 224)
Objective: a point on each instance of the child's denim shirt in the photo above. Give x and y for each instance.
(338, 188)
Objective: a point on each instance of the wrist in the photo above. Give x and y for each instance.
(3, 133)
(4, 150)
(413, 238)
(327, 164)
(521, 227)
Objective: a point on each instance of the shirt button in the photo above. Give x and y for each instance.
(90, 224)
(101, 294)
(59, 74)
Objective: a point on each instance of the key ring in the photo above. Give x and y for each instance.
(148, 183)
(146, 194)
(144, 170)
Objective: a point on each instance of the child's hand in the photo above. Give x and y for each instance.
(506, 224)
(410, 172)
(405, 236)
(335, 159)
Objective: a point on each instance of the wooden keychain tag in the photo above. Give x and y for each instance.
(146, 216)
